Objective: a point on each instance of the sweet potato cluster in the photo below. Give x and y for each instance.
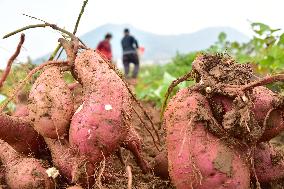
(73, 140)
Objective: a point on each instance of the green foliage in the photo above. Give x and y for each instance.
(265, 51)
(154, 80)
(68, 77)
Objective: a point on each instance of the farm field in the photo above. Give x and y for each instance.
(210, 118)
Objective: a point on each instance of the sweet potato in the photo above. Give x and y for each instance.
(268, 163)
(198, 159)
(50, 103)
(97, 130)
(100, 125)
(21, 135)
(274, 125)
(161, 165)
(95, 75)
(262, 102)
(23, 173)
(75, 168)
(21, 110)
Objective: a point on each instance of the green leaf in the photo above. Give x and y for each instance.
(281, 39)
(261, 28)
(168, 78)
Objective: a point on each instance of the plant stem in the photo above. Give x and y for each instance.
(11, 60)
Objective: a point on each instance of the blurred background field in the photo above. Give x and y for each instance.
(265, 51)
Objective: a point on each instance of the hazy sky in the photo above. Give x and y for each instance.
(157, 16)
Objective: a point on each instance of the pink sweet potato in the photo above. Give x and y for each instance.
(274, 125)
(262, 99)
(50, 103)
(75, 168)
(100, 125)
(268, 163)
(23, 173)
(198, 159)
(21, 135)
(21, 110)
(97, 130)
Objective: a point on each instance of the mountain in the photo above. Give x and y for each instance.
(159, 47)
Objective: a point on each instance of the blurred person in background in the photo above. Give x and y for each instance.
(129, 49)
(104, 47)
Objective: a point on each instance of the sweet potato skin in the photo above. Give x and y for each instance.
(96, 76)
(21, 110)
(274, 125)
(23, 173)
(196, 157)
(75, 168)
(27, 174)
(20, 134)
(160, 166)
(263, 101)
(95, 130)
(268, 163)
(50, 103)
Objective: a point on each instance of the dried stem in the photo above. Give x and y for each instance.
(264, 81)
(74, 32)
(53, 26)
(33, 17)
(52, 56)
(25, 28)
(237, 90)
(171, 87)
(253, 169)
(24, 81)
(143, 123)
(267, 117)
(12, 59)
(79, 16)
(101, 171)
(147, 116)
(129, 175)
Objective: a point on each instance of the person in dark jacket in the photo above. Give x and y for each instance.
(104, 47)
(129, 50)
